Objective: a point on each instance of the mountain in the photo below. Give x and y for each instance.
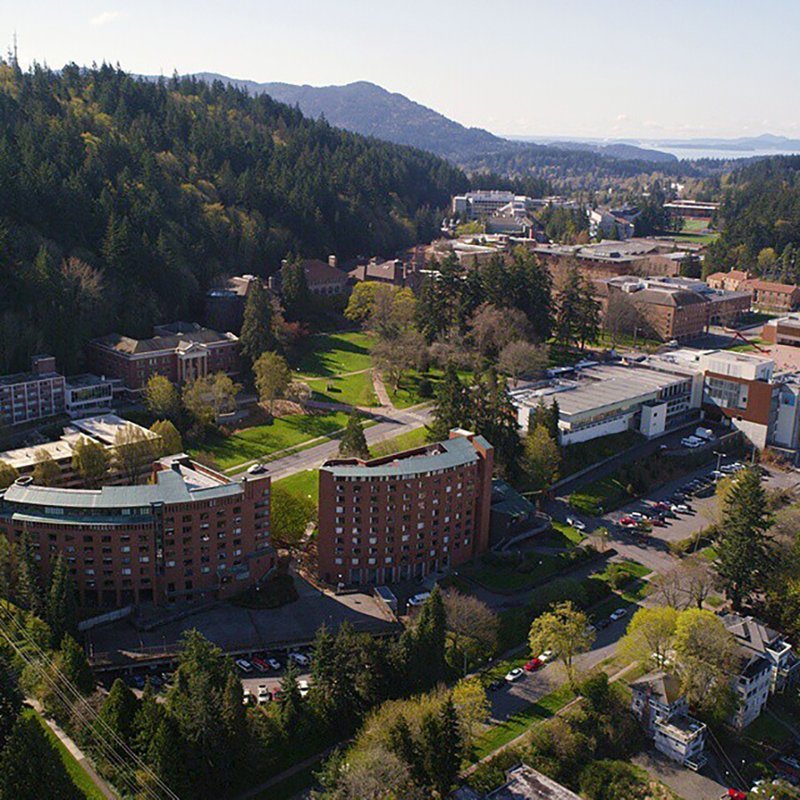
(124, 200)
(365, 108)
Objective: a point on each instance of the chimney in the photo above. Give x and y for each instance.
(331, 261)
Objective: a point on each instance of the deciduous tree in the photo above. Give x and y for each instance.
(564, 630)
(272, 377)
(542, 458)
(162, 398)
(171, 441)
(90, 460)
(46, 471)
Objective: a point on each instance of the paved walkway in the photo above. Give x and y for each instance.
(74, 751)
(380, 389)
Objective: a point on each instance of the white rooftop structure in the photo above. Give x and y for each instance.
(746, 366)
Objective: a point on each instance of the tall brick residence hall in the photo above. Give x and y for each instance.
(191, 534)
(405, 515)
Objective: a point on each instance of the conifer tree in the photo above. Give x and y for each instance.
(119, 711)
(450, 406)
(256, 336)
(29, 589)
(353, 443)
(10, 701)
(62, 607)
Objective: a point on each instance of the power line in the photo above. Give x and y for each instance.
(81, 707)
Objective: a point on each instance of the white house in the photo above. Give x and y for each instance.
(658, 704)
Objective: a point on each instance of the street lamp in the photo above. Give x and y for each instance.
(719, 456)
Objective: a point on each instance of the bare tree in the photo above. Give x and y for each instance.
(698, 578)
(668, 588)
(523, 359)
(621, 316)
(471, 623)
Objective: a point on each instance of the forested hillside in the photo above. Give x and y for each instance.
(760, 219)
(121, 200)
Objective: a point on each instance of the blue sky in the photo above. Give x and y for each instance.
(618, 68)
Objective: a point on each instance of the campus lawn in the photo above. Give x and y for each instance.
(353, 390)
(404, 441)
(80, 778)
(576, 457)
(606, 494)
(250, 444)
(407, 393)
(537, 568)
(499, 735)
(301, 484)
(560, 536)
(328, 354)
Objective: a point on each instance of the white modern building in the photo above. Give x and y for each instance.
(88, 394)
(661, 708)
(487, 202)
(602, 399)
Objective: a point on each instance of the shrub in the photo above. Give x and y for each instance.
(492, 773)
(425, 388)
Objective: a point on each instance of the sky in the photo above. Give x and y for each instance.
(618, 69)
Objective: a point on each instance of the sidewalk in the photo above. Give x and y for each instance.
(74, 751)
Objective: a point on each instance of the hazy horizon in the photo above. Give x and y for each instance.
(638, 70)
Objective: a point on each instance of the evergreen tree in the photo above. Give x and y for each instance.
(71, 662)
(290, 701)
(294, 291)
(447, 747)
(29, 590)
(119, 711)
(542, 458)
(30, 767)
(62, 607)
(425, 643)
(10, 701)
(743, 550)
(353, 443)
(169, 757)
(450, 406)
(256, 336)
(401, 743)
(147, 720)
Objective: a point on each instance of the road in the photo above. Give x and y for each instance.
(391, 422)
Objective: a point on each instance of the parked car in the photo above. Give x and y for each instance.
(274, 663)
(658, 522)
(691, 443)
(419, 599)
(514, 674)
(259, 663)
(244, 665)
(636, 515)
(303, 687)
(660, 505)
(618, 614)
(547, 656)
(496, 685)
(576, 523)
(263, 694)
(628, 522)
(602, 623)
(533, 665)
(680, 508)
(248, 699)
(300, 659)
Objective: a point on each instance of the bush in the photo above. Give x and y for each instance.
(616, 576)
(611, 780)
(697, 541)
(425, 388)
(492, 773)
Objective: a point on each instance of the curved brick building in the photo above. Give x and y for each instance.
(190, 534)
(407, 514)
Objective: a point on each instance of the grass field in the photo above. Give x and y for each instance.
(537, 568)
(83, 783)
(606, 493)
(301, 484)
(353, 390)
(328, 354)
(579, 456)
(404, 441)
(519, 723)
(253, 443)
(561, 536)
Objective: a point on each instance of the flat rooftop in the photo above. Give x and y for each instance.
(600, 386)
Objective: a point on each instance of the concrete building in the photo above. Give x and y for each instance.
(522, 783)
(657, 702)
(225, 304)
(89, 395)
(192, 534)
(101, 429)
(607, 224)
(34, 395)
(692, 209)
(485, 203)
(785, 330)
(405, 515)
(181, 351)
(600, 400)
(759, 640)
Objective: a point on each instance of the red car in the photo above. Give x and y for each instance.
(657, 522)
(662, 506)
(533, 665)
(260, 663)
(628, 522)
(736, 794)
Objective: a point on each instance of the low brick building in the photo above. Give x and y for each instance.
(192, 534)
(771, 296)
(731, 281)
(405, 515)
(180, 351)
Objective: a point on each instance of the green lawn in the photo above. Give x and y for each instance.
(576, 457)
(694, 225)
(301, 484)
(83, 783)
(536, 569)
(253, 443)
(561, 536)
(404, 441)
(353, 390)
(606, 493)
(329, 354)
(605, 608)
(519, 723)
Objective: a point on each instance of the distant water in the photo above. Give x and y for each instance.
(696, 152)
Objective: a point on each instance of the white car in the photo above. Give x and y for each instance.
(547, 656)
(299, 659)
(637, 515)
(244, 665)
(274, 663)
(515, 674)
(691, 443)
(576, 523)
(619, 614)
(419, 599)
(679, 508)
(303, 687)
(263, 695)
